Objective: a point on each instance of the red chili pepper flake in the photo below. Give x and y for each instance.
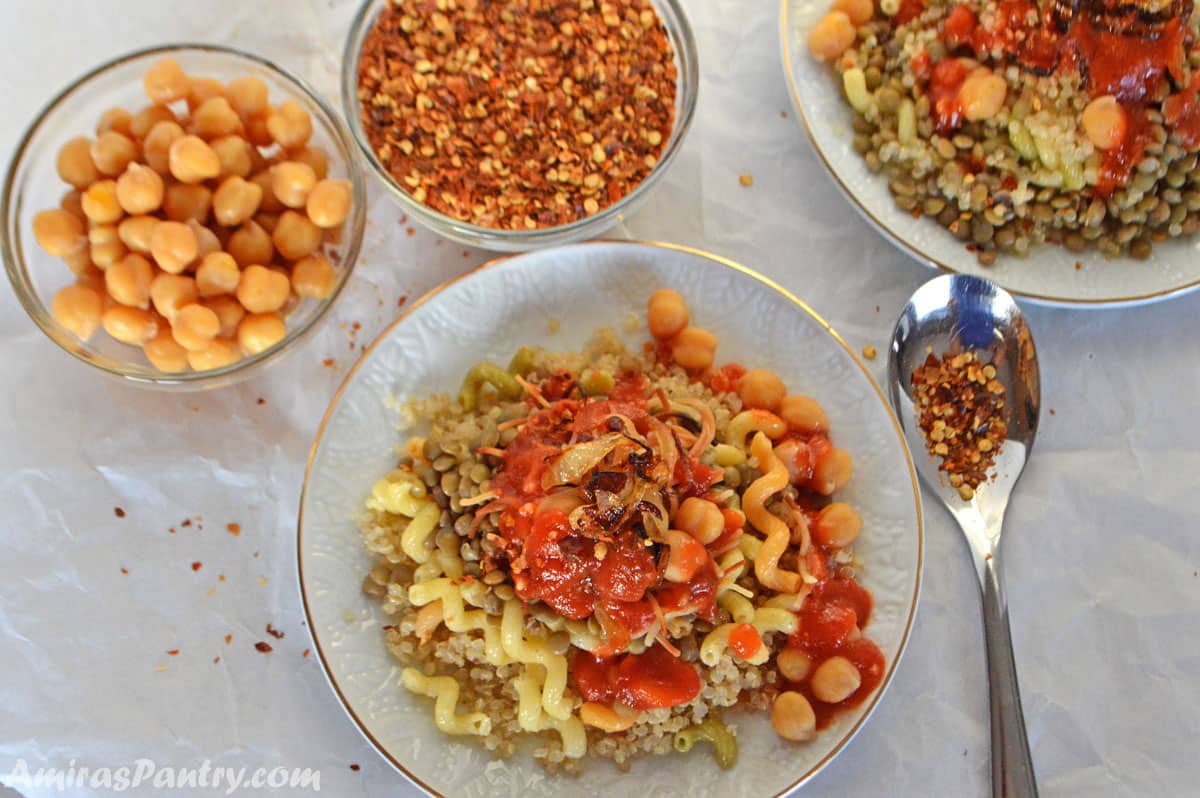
(263, 648)
(196, 566)
(125, 571)
(171, 530)
(172, 652)
(1052, 412)
(216, 659)
(195, 410)
(410, 232)
(228, 639)
(306, 653)
(355, 767)
(356, 326)
(234, 528)
(221, 577)
(186, 522)
(327, 362)
(261, 401)
(273, 632)
(400, 302)
(119, 512)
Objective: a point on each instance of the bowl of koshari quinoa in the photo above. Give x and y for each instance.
(1049, 148)
(582, 311)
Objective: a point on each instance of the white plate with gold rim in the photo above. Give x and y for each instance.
(487, 315)
(1047, 274)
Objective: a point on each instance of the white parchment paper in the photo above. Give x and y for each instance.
(1103, 539)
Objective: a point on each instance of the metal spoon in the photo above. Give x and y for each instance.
(957, 313)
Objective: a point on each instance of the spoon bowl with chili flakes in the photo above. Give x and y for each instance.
(963, 379)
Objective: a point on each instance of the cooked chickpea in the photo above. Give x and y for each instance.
(234, 154)
(256, 130)
(129, 325)
(250, 244)
(700, 518)
(135, 232)
(164, 352)
(838, 524)
(262, 290)
(248, 96)
(217, 274)
(982, 94)
(793, 664)
(117, 119)
(202, 90)
(291, 182)
(156, 147)
(215, 118)
(128, 281)
(329, 203)
(80, 261)
(270, 203)
(146, 119)
(59, 233)
(229, 311)
(313, 277)
(221, 352)
(194, 327)
(315, 157)
(666, 313)
(859, 11)
(289, 124)
(100, 202)
(104, 245)
(832, 36)
(166, 82)
(694, 348)
(267, 221)
(1105, 122)
(803, 414)
(75, 164)
(174, 246)
(91, 277)
(295, 236)
(206, 240)
(762, 388)
(182, 202)
(170, 292)
(793, 717)
(835, 680)
(78, 308)
(192, 160)
(260, 331)
(112, 152)
(235, 201)
(832, 472)
(140, 190)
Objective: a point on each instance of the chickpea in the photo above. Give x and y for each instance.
(315, 157)
(831, 37)
(92, 278)
(248, 96)
(201, 91)
(72, 203)
(174, 246)
(329, 203)
(100, 202)
(666, 314)
(289, 124)
(166, 82)
(270, 203)
(295, 236)
(117, 119)
(694, 348)
(700, 518)
(128, 281)
(982, 94)
(170, 292)
(234, 154)
(191, 160)
(793, 717)
(217, 274)
(793, 664)
(135, 232)
(267, 221)
(262, 290)
(837, 525)
(112, 152)
(139, 190)
(260, 331)
(221, 352)
(250, 244)
(215, 118)
(803, 414)
(164, 352)
(291, 182)
(206, 240)
(80, 262)
(183, 201)
(835, 680)
(859, 11)
(762, 388)
(194, 327)
(75, 164)
(257, 132)
(105, 247)
(130, 325)
(1105, 122)
(313, 277)
(832, 472)
(235, 201)
(78, 308)
(146, 119)
(58, 232)
(229, 311)
(156, 147)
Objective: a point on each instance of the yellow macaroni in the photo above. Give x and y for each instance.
(512, 637)
(459, 620)
(444, 691)
(531, 717)
(403, 493)
(754, 502)
(748, 421)
(738, 606)
(716, 643)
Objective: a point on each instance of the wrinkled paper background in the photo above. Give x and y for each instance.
(1104, 534)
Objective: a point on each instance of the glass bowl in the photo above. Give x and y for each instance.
(679, 32)
(32, 184)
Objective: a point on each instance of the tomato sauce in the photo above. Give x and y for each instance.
(1181, 112)
(908, 11)
(1117, 164)
(651, 680)
(698, 595)
(728, 378)
(744, 641)
(945, 81)
(1131, 68)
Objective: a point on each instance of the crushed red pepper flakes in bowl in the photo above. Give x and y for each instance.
(263, 648)
(960, 409)
(119, 512)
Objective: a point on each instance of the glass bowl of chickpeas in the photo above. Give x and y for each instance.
(182, 215)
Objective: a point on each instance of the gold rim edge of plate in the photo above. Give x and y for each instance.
(437, 290)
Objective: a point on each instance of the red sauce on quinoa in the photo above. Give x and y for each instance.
(651, 680)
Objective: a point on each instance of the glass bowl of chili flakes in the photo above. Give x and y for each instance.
(513, 126)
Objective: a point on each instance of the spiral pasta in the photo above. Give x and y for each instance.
(754, 503)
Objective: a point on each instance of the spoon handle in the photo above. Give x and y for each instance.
(1012, 766)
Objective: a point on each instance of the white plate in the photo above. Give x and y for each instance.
(489, 314)
(1046, 275)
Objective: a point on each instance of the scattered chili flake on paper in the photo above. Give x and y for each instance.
(216, 659)
(869, 352)
(186, 522)
(263, 648)
(306, 652)
(220, 577)
(746, 180)
(400, 302)
(234, 528)
(261, 401)
(196, 566)
(228, 639)
(410, 232)
(327, 362)
(124, 570)
(355, 767)
(273, 632)
(172, 652)
(119, 512)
